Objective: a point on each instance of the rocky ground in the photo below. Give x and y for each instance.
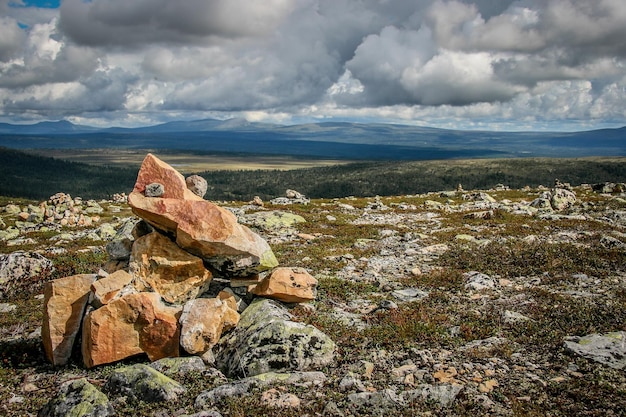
(495, 302)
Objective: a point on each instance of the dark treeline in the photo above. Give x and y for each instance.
(400, 178)
(37, 177)
(29, 176)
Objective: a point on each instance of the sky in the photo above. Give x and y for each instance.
(461, 64)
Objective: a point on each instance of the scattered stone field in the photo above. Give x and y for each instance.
(500, 302)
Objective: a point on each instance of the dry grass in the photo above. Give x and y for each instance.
(185, 162)
(539, 380)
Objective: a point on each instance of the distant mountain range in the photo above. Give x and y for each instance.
(340, 140)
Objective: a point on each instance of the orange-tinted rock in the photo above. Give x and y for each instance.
(65, 300)
(228, 298)
(128, 326)
(158, 264)
(153, 170)
(105, 289)
(202, 322)
(115, 265)
(200, 227)
(289, 285)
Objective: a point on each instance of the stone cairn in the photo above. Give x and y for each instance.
(152, 299)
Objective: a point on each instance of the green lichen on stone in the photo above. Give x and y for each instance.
(143, 382)
(272, 377)
(267, 340)
(78, 398)
(9, 233)
(274, 220)
(268, 260)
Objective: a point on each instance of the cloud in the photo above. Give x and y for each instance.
(46, 61)
(11, 38)
(127, 24)
(594, 28)
(467, 61)
(101, 92)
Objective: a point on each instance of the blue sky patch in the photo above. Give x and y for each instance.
(47, 4)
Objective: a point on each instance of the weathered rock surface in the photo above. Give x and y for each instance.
(153, 170)
(266, 339)
(202, 322)
(120, 246)
(78, 398)
(201, 228)
(65, 300)
(108, 288)
(20, 266)
(272, 220)
(154, 190)
(562, 199)
(291, 197)
(197, 185)
(244, 386)
(128, 326)
(176, 367)
(143, 383)
(274, 398)
(158, 264)
(289, 285)
(478, 281)
(608, 349)
(387, 399)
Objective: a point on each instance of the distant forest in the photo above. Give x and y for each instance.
(35, 177)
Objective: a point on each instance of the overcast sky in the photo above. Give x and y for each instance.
(489, 64)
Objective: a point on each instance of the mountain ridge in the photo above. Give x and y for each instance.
(343, 140)
(208, 124)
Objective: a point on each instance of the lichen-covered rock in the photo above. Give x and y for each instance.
(133, 324)
(443, 395)
(384, 401)
(562, 199)
(289, 285)
(179, 366)
(154, 190)
(608, 349)
(18, 267)
(478, 281)
(158, 264)
(266, 339)
(244, 386)
(272, 221)
(65, 300)
(542, 203)
(120, 246)
(78, 398)
(143, 383)
(9, 233)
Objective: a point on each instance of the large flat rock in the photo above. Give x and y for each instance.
(65, 300)
(131, 325)
(158, 264)
(200, 227)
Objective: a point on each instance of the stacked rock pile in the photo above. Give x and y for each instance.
(60, 210)
(153, 297)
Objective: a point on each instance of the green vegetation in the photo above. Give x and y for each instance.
(31, 176)
(401, 178)
(536, 262)
(37, 177)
